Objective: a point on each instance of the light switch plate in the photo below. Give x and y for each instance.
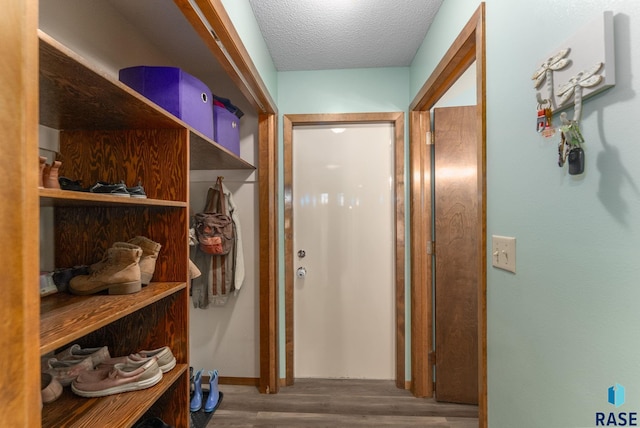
(503, 252)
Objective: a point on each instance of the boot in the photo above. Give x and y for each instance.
(43, 163)
(50, 175)
(196, 400)
(105, 258)
(150, 252)
(119, 273)
(214, 398)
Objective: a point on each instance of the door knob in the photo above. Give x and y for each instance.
(301, 272)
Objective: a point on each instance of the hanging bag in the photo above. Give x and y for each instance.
(214, 227)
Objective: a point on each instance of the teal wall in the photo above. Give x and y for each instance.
(566, 326)
(245, 23)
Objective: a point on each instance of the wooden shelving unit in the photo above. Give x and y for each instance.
(109, 132)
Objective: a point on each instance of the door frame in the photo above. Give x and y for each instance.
(468, 47)
(397, 119)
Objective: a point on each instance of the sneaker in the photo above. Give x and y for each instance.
(121, 378)
(73, 185)
(166, 360)
(135, 191)
(110, 189)
(50, 388)
(67, 371)
(75, 352)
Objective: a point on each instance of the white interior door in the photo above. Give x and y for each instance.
(343, 221)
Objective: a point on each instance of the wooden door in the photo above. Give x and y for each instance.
(456, 255)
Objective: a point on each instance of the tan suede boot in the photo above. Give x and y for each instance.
(119, 272)
(150, 252)
(98, 265)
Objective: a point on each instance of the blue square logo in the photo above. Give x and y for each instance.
(616, 395)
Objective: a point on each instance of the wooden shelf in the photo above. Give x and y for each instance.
(57, 197)
(120, 410)
(74, 95)
(206, 154)
(65, 317)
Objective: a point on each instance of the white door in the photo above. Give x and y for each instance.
(343, 221)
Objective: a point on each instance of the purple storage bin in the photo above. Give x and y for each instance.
(226, 129)
(178, 92)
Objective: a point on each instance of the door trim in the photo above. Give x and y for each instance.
(291, 120)
(468, 47)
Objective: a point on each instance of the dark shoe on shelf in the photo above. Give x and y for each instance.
(62, 277)
(73, 185)
(104, 188)
(136, 191)
(153, 423)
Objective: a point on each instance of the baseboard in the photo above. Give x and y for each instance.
(245, 381)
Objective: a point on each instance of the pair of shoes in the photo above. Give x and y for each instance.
(118, 189)
(66, 371)
(118, 272)
(124, 268)
(75, 352)
(214, 398)
(50, 388)
(150, 251)
(49, 174)
(166, 360)
(65, 366)
(117, 379)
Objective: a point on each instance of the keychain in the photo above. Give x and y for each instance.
(570, 146)
(544, 121)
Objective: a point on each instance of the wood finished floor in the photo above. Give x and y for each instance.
(337, 403)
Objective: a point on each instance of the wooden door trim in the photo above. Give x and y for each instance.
(468, 47)
(225, 44)
(268, 247)
(421, 261)
(291, 120)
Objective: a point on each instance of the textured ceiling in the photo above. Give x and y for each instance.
(337, 34)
